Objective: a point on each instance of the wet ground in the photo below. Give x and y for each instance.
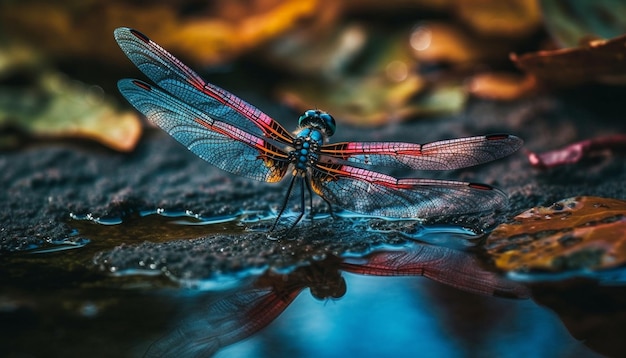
(156, 252)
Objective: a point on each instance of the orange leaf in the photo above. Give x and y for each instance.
(581, 233)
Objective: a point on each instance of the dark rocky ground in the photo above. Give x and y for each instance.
(44, 182)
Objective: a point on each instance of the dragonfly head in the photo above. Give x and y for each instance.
(319, 120)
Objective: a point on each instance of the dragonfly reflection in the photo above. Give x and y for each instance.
(237, 137)
(245, 312)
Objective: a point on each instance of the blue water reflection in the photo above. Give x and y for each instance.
(410, 317)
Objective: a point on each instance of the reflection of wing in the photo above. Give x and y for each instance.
(373, 193)
(219, 143)
(225, 322)
(441, 155)
(451, 267)
(182, 82)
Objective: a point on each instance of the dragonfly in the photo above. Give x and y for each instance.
(235, 136)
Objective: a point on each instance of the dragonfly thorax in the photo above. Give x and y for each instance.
(314, 118)
(306, 148)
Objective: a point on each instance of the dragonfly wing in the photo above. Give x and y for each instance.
(440, 155)
(373, 193)
(224, 322)
(455, 268)
(171, 74)
(219, 143)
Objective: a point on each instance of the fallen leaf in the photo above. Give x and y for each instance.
(60, 108)
(575, 234)
(575, 152)
(599, 61)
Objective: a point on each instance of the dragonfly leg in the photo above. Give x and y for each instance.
(308, 188)
(285, 202)
(330, 206)
(302, 200)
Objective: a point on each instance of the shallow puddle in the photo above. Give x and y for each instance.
(180, 285)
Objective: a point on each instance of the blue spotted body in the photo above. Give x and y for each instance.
(316, 126)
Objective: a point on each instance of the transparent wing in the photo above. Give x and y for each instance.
(172, 75)
(372, 193)
(440, 155)
(219, 143)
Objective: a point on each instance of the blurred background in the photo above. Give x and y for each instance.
(369, 63)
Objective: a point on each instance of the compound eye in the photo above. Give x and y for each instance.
(303, 118)
(329, 121)
(307, 116)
